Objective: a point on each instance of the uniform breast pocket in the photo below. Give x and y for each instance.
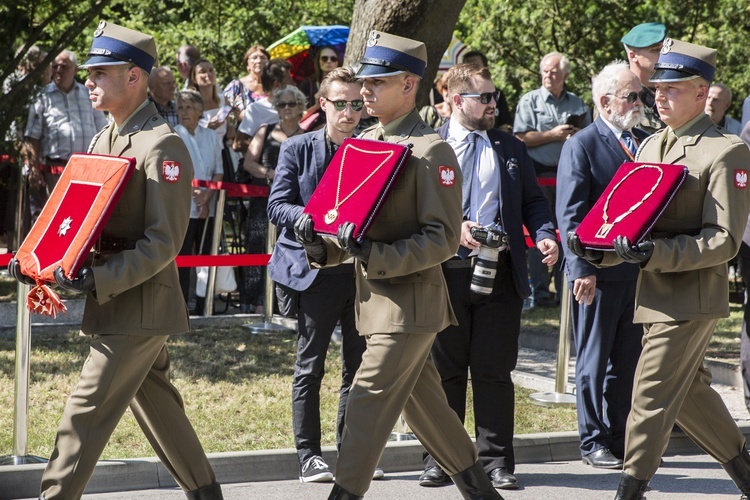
(686, 200)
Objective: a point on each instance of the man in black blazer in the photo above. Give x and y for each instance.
(607, 342)
(324, 296)
(500, 187)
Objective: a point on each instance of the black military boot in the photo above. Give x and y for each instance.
(210, 492)
(474, 484)
(739, 470)
(631, 488)
(339, 493)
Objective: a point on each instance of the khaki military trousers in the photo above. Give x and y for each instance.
(672, 385)
(398, 376)
(124, 370)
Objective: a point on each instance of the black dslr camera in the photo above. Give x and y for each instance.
(493, 240)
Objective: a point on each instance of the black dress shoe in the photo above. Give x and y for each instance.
(502, 479)
(434, 476)
(602, 459)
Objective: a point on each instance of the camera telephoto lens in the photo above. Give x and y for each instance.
(485, 269)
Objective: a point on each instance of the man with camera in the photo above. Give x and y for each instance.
(500, 195)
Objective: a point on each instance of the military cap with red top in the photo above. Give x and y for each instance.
(680, 61)
(115, 44)
(388, 55)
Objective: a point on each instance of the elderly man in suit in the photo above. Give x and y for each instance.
(500, 190)
(133, 302)
(402, 300)
(607, 341)
(682, 285)
(323, 296)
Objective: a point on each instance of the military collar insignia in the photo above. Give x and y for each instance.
(373, 39)
(100, 29)
(666, 46)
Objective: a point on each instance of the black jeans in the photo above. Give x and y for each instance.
(329, 299)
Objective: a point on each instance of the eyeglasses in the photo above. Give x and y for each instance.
(357, 105)
(630, 98)
(484, 97)
(329, 58)
(291, 104)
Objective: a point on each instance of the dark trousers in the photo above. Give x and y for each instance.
(330, 298)
(539, 272)
(608, 345)
(485, 342)
(192, 246)
(744, 266)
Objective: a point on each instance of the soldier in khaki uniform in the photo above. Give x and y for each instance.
(682, 286)
(133, 300)
(402, 299)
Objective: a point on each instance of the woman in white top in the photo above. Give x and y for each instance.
(203, 79)
(207, 165)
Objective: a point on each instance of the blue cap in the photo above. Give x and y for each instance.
(681, 61)
(388, 55)
(114, 44)
(645, 35)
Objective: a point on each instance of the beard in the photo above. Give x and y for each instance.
(629, 119)
(485, 122)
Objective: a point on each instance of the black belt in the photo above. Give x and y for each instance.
(109, 243)
(459, 263)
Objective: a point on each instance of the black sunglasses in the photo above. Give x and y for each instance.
(630, 98)
(357, 105)
(282, 105)
(484, 97)
(329, 58)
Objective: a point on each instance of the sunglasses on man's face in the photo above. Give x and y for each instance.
(630, 98)
(357, 105)
(290, 104)
(329, 58)
(484, 97)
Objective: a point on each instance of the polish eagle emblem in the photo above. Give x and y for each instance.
(170, 171)
(447, 176)
(740, 178)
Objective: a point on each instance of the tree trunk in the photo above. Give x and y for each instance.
(430, 21)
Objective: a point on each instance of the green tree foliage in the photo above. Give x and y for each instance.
(515, 34)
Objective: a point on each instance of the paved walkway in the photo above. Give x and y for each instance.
(683, 477)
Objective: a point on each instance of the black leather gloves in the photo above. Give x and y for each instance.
(575, 246)
(358, 250)
(306, 236)
(14, 269)
(635, 254)
(83, 282)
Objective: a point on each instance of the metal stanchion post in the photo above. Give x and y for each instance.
(268, 326)
(23, 357)
(560, 397)
(208, 305)
(401, 431)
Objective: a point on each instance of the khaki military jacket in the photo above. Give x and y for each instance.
(700, 230)
(137, 290)
(402, 288)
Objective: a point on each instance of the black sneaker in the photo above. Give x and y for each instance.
(315, 470)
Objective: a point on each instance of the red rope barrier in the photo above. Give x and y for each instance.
(5, 258)
(230, 260)
(233, 189)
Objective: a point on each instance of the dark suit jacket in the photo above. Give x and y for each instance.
(521, 201)
(302, 161)
(588, 161)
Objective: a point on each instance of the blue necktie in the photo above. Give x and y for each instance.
(629, 142)
(467, 169)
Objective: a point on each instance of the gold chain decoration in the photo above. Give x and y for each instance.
(607, 227)
(333, 213)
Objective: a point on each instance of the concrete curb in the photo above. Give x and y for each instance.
(22, 481)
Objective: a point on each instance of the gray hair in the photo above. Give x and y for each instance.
(564, 61)
(71, 55)
(189, 95)
(607, 81)
(299, 97)
(724, 88)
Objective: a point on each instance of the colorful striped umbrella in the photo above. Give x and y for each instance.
(299, 46)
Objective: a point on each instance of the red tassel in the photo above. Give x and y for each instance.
(43, 300)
